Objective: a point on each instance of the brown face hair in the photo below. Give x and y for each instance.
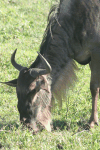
(34, 94)
(34, 100)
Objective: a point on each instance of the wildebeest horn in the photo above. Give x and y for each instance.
(17, 66)
(34, 72)
(46, 64)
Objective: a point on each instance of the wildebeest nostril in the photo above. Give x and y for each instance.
(24, 119)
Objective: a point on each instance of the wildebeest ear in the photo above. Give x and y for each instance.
(12, 83)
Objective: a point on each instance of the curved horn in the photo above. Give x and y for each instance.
(17, 66)
(46, 64)
(34, 72)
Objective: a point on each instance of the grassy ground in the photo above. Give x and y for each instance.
(22, 24)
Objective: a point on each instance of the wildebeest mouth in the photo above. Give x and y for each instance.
(36, 126)
(32, 126)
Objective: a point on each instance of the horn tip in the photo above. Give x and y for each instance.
(38, 53)
(15, 50)
(46, 62)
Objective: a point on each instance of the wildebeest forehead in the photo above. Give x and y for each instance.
(28, 85)
(24, 80)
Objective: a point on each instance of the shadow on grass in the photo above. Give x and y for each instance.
(63, 125)
(1, 146)
(60, 125)
(8, 125)
(83, 125)
(57, 125)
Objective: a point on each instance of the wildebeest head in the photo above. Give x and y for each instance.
(34, 94)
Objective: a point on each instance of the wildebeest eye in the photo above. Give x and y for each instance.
(35, 86)
(31, 92)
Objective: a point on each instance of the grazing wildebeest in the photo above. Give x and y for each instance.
(72, 34)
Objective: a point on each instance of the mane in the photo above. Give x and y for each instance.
(67, 74)
(51, 21)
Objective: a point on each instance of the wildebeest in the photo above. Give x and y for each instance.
(72, 34)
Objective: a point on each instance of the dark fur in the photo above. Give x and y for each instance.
(69, 35)
(72, 34)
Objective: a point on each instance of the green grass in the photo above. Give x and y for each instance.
(22, 24)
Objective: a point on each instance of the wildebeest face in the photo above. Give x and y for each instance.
(34, 94)
(34, 97)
